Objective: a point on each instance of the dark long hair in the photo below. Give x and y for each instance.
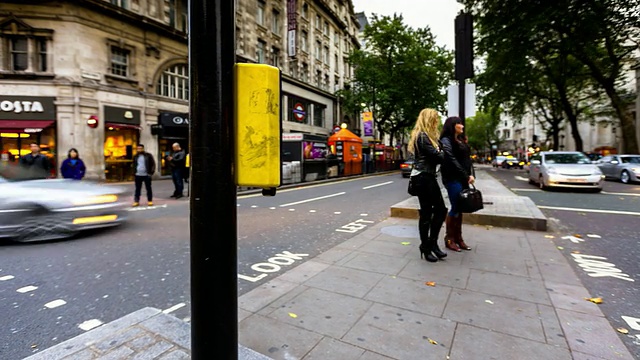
(69, 153)
(449, 128)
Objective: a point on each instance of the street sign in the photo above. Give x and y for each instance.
(469, 100)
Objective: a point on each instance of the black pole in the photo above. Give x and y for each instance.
(214, 282)
(461, 99)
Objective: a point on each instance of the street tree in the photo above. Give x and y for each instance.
(481, 129)
(581, 48)
(401, 71)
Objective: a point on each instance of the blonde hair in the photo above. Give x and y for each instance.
(427, 123)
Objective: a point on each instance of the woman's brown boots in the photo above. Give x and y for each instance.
(453, 234)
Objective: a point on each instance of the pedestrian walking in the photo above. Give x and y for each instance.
(145, 167)
(457, 175)
(177, 161)
(425, 147)
(73, 167)
(37, 165)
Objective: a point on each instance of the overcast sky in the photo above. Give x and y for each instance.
(437, 14)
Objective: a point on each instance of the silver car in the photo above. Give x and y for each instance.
(567, 169)
(625, 168)
(35, 210)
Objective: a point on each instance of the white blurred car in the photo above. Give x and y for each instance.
(568, 169)
(625, 168)
(35, 210)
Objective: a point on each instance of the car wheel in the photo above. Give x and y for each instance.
(531, 182)
(624, 177)
(40, 224)
(541, 183)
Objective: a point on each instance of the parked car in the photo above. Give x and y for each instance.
(35, 210)
(512, 162)
(625, 168)
(405, 168)
(497, 161)
(568, 169)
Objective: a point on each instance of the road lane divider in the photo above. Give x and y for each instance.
(614, 212)
(376, 185)
(313, 199)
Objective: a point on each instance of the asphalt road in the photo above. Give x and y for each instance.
(604, 249)
(50, 292)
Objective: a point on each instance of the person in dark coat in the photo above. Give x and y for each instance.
(37, 165)
(177, 161)
(144, 167)
(457, 175)
(73, 167)
(428, 154)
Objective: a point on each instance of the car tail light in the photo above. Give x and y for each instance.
(404, 166)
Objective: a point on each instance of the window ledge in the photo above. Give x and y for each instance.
(111, 77)
(9, 74)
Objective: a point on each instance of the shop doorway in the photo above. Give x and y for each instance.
(119, 148)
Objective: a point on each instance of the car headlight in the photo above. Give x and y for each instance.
(95, 200)
(552, 171)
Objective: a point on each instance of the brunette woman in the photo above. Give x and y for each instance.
(73, 167)
(457, 174)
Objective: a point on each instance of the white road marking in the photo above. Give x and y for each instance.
(254, 206)
(615, 212)
(26, 289)
(364, 214)
(174, 308)
(292, 209)
(313, 199)
(55, 303)
(521, 178)
(619, 194)
(272, 208)
(312, 211)
(141, 208)
(594, 236)
(337, 212)
(7, 277)
(573, 239)
(90, 324)
(376, 185)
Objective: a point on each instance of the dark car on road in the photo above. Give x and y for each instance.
(405, 168)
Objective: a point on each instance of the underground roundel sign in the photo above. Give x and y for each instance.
(298, 112)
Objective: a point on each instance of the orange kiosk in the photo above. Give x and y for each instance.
(347, 147)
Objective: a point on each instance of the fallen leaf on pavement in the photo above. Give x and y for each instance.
(575, 252)
(405, 243)
(433, 342)
(594, 300)
(549, 236)
(560, 248)
(34, 346)
(578, 236)
(622, 330)
(293, 315)
(489, 302)
(594, 236)
(430, 283)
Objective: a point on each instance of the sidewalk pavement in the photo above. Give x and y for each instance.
(514, 296)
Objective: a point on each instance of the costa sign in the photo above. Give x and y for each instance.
(21, 106)
(27, 108)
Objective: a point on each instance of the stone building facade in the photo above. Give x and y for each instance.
(66, 63)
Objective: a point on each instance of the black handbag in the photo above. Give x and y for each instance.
(413, 186)
(470, 200)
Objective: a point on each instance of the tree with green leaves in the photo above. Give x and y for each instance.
(481, 129)
(400, 72)
(580, 48)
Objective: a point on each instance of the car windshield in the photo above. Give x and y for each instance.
(630, 159)
(573, 158)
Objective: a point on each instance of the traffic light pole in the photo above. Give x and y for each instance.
(213, 229)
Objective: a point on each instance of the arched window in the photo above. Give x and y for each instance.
(174, 82)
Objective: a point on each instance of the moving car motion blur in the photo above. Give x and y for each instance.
(47, 209)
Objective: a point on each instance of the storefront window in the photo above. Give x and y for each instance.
(14, 145)
(119, 148)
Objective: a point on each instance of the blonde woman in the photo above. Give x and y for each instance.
(427, 152)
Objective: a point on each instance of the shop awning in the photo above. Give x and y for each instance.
(24, 125)
(122, 126)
